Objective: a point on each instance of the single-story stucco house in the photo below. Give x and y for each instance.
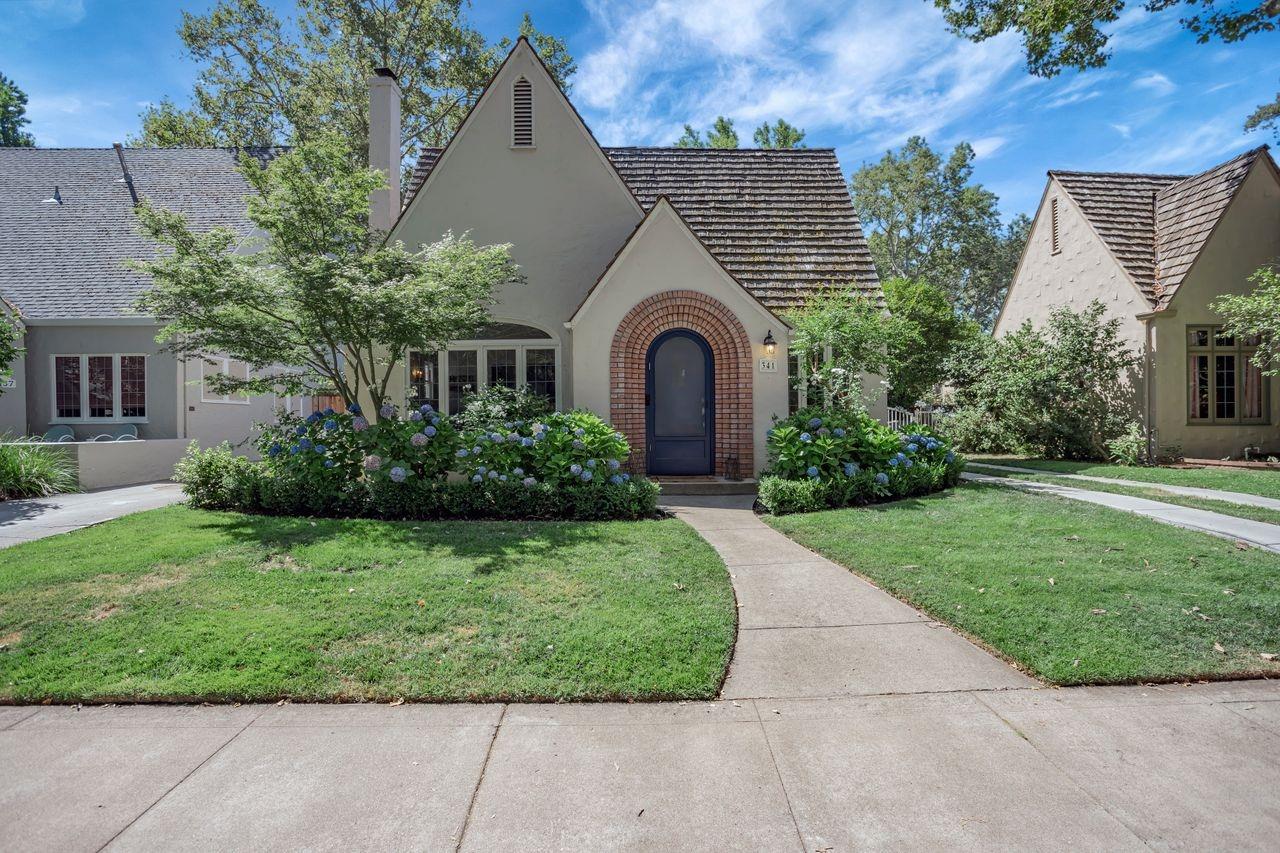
(1157, 250)
(92, 364)
(656, 277)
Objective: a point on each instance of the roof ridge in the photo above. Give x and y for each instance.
(1169, 175)
(717, 150)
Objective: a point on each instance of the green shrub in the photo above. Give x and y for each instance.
(1129, 448)
(560, 449)
(339, 465)
(33, 471)
(820, 459)
(498, 404)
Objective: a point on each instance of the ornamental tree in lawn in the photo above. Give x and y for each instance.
(317, 291)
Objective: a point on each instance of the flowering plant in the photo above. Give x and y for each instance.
(562, 448)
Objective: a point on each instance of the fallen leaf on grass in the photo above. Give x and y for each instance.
(1217, 647)
(1242, 546)
(1097, 611)
(393, 703)
(1228, 592)
(1267, 655)
(1073, 538)
(1052, 582)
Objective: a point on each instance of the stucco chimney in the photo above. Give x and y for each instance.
(384, 147)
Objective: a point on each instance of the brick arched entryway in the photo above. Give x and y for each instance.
(730, 350)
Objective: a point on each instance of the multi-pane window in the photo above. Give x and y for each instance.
(793, 384)
(501, 367)
(226, 367)
(506, 354)
(1224, 385)
(540, 372)
(423, 380)
(99, 387)
(463, 373)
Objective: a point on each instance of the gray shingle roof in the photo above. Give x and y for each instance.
(781, 222)
(67, 260)
(1156, 225)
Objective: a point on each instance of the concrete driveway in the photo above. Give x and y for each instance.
(849, 721)
(35, 518)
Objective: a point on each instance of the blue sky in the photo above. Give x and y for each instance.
(859, 76)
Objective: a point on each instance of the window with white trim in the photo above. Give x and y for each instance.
(223, 366)
(1224, 384)
(507, 354)
(522, 114)
(99, 387)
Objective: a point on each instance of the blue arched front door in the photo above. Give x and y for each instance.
(680, 404)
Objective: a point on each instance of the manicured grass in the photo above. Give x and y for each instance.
(1250, 481)
(180, 604)
(1138, 490)
(1076, 593)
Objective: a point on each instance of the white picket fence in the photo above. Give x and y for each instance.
(899, 418)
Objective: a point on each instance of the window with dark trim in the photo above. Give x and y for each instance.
(1224, 385)
(99, 388)
(423, 380)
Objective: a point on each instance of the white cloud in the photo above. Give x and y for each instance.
(1156, 83)
(23, 18)
(987, 145)
(1123, 129)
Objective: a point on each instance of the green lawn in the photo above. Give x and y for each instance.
(1250, 481)
(179, 604)
(1142, 490)
(1076, 593)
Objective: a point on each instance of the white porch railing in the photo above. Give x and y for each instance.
(899, 418)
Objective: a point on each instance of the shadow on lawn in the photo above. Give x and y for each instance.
(495, 545)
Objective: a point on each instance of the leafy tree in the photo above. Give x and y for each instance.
(1257, 314)
(11, 348)
(839, 335)
(268, 80)
(783, 134)
(1058, 34)
(1062, 392)
(13, 115)
(926, 220)
(721, 135)
(323, 293)
(927, 328)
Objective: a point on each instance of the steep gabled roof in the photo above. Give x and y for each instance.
(1121, 208)
(781, 222)
(1157, 225)
(66, 261)
(1187, 212)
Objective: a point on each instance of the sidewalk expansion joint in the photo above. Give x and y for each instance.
(475, 793)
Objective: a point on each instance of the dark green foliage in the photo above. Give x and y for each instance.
(820, 459)
(1062, 392)
(13, 115)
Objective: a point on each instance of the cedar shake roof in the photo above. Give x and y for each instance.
(64, 261)
(780, 221)
(1156, 225)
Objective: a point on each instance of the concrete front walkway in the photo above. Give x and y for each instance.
(1240, 498)
(1257, 533)
(849, 721)
(35, 518)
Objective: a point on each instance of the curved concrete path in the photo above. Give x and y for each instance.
(849, 722)
(1241, 498)
(1257, 533)
(808, 627)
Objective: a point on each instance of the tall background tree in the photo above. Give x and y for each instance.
(267, 79)
(722, 134)
(1058, 34)
(927, 221)
(13, 115)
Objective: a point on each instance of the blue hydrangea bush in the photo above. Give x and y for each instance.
(827, 458)
(417, 465)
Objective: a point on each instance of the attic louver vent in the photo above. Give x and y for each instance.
(522, 114)
(1053, 211)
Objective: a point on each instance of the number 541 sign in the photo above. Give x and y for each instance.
(768, 365)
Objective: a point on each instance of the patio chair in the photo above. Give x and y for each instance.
(123, 432)
(59, 433)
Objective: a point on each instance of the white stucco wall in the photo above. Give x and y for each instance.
(665, 256)
(1247, 237)
(560, 204)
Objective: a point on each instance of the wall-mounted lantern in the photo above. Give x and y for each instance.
(770, 345)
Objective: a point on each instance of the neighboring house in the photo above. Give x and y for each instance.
(67, 226)
(1156, 250)
(656, 277)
